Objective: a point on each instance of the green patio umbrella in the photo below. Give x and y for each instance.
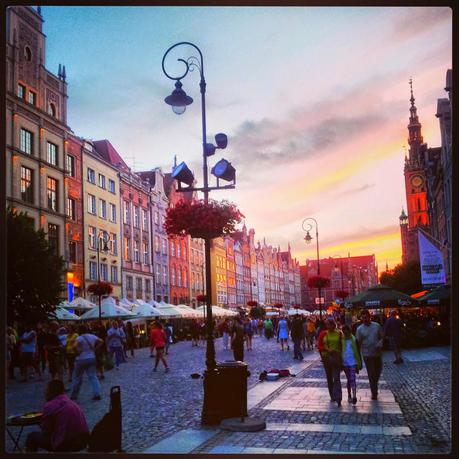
(437, 296)
(381, 296)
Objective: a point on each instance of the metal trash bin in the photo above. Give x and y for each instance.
(233, 384)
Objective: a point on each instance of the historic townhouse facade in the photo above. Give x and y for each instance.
(135, 243)
(159, 204)
(230, 272)
(178, 250)
(260, 275)
(218, 272)
(196, 268)
(247, 276)
(253, 267)
(36, 128)
(102, 228)
(238, 259)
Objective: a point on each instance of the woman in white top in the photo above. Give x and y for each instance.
(85, 362)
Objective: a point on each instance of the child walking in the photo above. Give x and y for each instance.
(352, 362)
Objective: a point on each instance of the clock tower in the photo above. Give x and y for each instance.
(415, 177)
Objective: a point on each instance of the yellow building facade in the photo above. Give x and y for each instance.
(102, 214)
(218, 272)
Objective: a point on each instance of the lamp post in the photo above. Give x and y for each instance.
(104, 249)
(308, 238)
(179, 100)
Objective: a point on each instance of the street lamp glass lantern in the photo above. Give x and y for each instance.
(178, 100)
(308, 238)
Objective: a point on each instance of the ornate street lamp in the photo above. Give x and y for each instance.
(101, 241)
(308, 238)
(179, 100)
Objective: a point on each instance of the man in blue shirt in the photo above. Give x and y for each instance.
(393, 330)
(28, 342)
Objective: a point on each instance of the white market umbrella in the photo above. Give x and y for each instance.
(169, 311)
(109, 310)
(272, 313)
(139, 302)
(146, 311)
(188, 311)
(82, 303)
(63, 314)
(126, 304)
(217, 311)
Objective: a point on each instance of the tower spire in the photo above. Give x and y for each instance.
(414, 127)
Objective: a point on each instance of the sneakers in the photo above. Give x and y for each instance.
(354, 400)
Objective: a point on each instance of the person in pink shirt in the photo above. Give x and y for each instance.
(63, 425)
(158, 340)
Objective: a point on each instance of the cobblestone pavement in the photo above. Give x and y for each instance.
(155, 405)
(413, 415)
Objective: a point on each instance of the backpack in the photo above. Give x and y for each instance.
(106, 435)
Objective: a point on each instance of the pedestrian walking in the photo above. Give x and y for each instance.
(28, 342)
(297, 334)
(194, 331)
(202, 333)
(41, 338)
(248, 333)
(115, 337)
(85, 362)
(169, 333)
(158, 339)
(370, 337)
(55, 351)
(393, 330)
(311, 333)
(130, 337)
(70, 352)
(352, 362)
(282, 333)
(268, 325)
(332, 358)
(237, 339)
(224, 329)
(101, 351)
(255, 326)
(11, 343)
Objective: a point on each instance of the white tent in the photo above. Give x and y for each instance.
(127, 304)
(293, 312)
(109, 310)
(81, 303)
(63, 314)
(169, 311)
(272, 313)
(146, 311)
(188, 312)
(139, 302)
(217, 311)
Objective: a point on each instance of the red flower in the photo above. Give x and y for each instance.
(252, 303)
(201, 220)
(278, 305)
(101, 288)
(318, 282)
(201, 297)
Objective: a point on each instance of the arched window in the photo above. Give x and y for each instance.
(27, 54)
(51, 109)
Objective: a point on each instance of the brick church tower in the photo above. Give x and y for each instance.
(415, 187)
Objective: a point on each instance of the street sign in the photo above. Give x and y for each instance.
(320, 300)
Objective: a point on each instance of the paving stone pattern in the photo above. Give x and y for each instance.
(155, 405)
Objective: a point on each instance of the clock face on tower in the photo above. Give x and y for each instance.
(417, 181)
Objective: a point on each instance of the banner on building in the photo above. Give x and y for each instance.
(431, 260)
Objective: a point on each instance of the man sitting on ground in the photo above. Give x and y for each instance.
(63, 426)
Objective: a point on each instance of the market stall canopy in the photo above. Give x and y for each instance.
(382, 296)
(272, 313)
(437, 296)
(188, 311)
(139, 302)
(82, 303)
(63, 314)
(168, 311)
(109, 310)
(147, 311)
(217, 311)
(127, 304)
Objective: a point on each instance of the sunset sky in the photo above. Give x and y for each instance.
(314, 102)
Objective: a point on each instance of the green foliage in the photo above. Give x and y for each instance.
(405, 278)
(34, 272)
(257, 312)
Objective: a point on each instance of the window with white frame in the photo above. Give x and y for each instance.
(145, 253)
(127, 249)
(137, 251)
(164, 243)
(138, 286)
(147, 285)
(157, 246)
(91, 204)
(32, 98)
(102, 181)
(126, 212)
(104, 272)
(179, 252)
(114, 244)
(165, 275)
(71, 208)
(92, 270)
(158, 271)
(26, 143)
(114, 274)
(70, 165)
(21, 91)
(129, 282)
(103, 208)
(92, 237)
(179, 277)
(51, 153)
(51, 191)
(91, 175)
(145, 219)
(172, 248)
(185, 278)
(111, 186)
(173, 280)
(156, 217)
(136, 217)
(112, 213)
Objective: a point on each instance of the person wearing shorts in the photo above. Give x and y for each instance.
(158, 339)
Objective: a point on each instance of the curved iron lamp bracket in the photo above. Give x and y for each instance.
(189, 63)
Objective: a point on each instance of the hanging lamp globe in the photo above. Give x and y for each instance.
(178, 100)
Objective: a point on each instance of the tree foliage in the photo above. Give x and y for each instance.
(101, 288)
(34, 271)
(405, 278)
(257, 312)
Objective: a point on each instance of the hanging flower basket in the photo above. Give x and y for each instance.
(101, 288)
(252, 303)
(342, 294)
(201, 220)
(201, 297)
(278, 305)
(318, 282)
